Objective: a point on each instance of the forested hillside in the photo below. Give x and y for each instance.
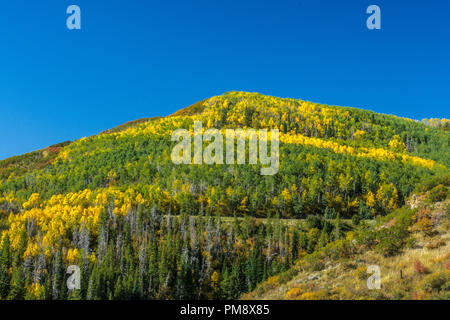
(140, 226)
(409, 247)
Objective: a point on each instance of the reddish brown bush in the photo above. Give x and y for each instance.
(419, 267)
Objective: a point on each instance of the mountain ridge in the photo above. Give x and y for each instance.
(197, 108)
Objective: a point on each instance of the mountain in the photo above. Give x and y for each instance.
(141, 226)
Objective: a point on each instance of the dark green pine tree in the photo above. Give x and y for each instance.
(323, 238)
(254, 271)
(363, 211)
(84, 273)
(294, 244)
(5, 265)
(47, 286)
(153, 278)
(164, 270)
(303, 241)
(119, 289)
(225, 283)
(18, 290)
(250, 271)
(235, 288)
(138, 285)
(93, 286)
(57, 274)
(185, 286)
(311, 245)
(287, 261)
(337, 227)
(17, 287)
(260, 266)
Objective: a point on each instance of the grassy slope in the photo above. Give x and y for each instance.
(38, 159)
(420, 271)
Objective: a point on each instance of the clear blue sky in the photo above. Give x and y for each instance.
(135, 59)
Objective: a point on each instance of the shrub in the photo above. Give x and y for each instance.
(435, 281)
(391, 241)
(432, 182)
(425, 225)
(356, 219)
(404, 218)
(424, 222)
(338, 249)
(367, 237)
(273, 281)
(411, 242)
(419, 267)
(317, 265)
(388, 247)
(439, 193)
(293, 293)
(361, 273)
(313, 261)
(317, 295)
(349, 264)
(350, 236)
(420, 295)
(398, 294)
(313, 221)
(287, 275)
(330, 213)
